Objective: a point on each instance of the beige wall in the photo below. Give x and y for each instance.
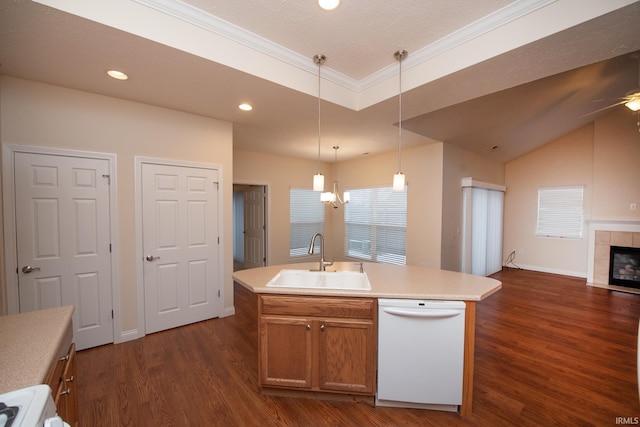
(422, 166)
(48, 116)
(616, 167)
(279, 174)
(458, 164)
(602, 156)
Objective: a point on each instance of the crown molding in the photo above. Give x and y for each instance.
(486, 24)
(213, 24)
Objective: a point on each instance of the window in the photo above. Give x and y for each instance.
(376, 224)
(306, 217)
(560, 212)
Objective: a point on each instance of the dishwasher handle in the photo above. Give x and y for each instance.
(423, 312)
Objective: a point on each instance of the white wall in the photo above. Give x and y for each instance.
(36, 114)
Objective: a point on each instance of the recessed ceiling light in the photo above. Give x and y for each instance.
(328, 4)
(119, 75)
(245, 107)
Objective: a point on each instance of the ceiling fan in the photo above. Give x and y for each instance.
(631, 99)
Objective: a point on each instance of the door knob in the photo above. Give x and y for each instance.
(28, 269)
(152, 258)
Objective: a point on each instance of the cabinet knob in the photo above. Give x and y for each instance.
(322, 328)
(67, 391)
(70, 380)
(65, 358)
(308, 327)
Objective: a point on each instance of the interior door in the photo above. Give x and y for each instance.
(180, 243)
(63, 244)
(254, 227)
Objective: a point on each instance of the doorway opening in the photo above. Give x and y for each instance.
(249, 226)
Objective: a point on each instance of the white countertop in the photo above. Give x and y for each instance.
(30, 344)
(387, 281)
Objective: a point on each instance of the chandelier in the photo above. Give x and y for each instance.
(333, 198)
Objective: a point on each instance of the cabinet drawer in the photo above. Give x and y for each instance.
(357, 308)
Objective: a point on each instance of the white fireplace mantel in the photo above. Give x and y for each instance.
(622, 222)
(630, 225)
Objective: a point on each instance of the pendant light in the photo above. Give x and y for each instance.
(333, 198)
(398, 178)
(318, 179)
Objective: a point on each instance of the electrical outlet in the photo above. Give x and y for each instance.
(633, 207)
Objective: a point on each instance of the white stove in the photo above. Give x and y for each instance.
(29, 407)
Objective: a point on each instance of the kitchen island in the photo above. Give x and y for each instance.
(387, 281)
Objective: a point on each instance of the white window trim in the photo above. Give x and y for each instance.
(570, 216)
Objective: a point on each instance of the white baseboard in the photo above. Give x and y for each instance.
(580, 274)
(229, 311)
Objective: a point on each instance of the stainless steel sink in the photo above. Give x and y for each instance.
(351, 280)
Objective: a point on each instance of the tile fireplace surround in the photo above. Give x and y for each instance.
(602, 235)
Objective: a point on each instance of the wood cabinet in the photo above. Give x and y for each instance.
(325, 344)
(62, 381)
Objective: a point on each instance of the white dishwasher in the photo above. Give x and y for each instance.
(420, 353)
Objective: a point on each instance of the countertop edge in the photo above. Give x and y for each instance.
(262, 275)
(30, 362)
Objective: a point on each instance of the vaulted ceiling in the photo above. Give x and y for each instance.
(496, 77)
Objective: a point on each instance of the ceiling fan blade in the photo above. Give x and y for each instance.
(602, 109)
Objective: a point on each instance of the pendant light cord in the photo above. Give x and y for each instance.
(400, 115)
(400, 55)
(319, 63)
(319, 59)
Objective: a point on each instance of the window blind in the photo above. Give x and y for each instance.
(306, 217)
(376, 224)
(560, 212)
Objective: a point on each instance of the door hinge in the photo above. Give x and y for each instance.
(112, 314)
(109, 247)
(218, 293)
(108, 178)
(218, 239)
(217, 185)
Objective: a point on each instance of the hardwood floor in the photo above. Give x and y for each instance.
(549, 351)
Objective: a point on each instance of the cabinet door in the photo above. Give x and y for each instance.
(346, 356)
(285, 351)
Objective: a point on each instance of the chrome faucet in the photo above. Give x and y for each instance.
(323, 263)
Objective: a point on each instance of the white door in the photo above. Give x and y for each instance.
(180, 243)
(63, 245)
(254, 227)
